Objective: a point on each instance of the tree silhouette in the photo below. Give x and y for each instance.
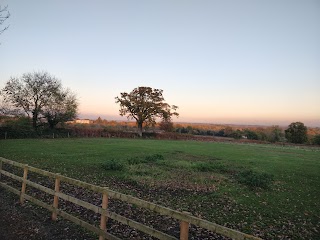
(296, 133)
(40, 96)
(145, 105)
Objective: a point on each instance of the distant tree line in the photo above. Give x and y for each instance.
(36, 104)
(22, 128)
(295, 133)
(273, 134)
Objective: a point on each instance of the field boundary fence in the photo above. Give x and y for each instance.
(184, 218)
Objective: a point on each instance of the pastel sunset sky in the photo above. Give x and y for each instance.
(247, 62)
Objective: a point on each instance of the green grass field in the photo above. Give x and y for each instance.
(266, 190)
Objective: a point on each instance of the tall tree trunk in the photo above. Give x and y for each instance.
(34, 120)
(140, 128)
(51, 124)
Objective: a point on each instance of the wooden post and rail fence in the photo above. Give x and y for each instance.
(185, 218)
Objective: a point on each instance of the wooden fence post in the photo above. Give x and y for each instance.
(24, 184)
(56, 198)
(184, 229)
(103, 221)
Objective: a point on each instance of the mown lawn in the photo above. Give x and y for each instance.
(266, 190)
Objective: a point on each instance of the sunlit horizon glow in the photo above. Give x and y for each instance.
(234, 62)
(285, 121)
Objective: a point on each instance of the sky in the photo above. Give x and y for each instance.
(227, 62)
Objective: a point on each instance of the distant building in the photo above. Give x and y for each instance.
(82, 121)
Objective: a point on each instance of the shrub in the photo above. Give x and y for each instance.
(236, 134)
(149, 135)
(251, 134)
(113, 165)
(166, 125)
(17, 128)
(316, 140)
(254, 179)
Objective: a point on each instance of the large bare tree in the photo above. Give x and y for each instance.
(40, 96)
(145, 105)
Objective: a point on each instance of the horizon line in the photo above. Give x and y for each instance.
(282, 123)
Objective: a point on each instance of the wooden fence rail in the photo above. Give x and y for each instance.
(185, 218)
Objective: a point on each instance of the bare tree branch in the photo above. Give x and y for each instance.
(4, 15)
